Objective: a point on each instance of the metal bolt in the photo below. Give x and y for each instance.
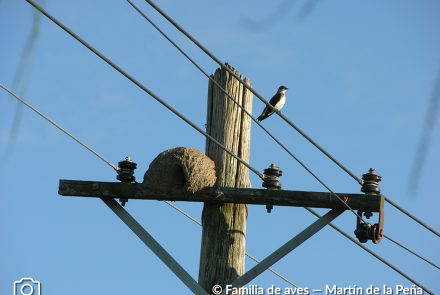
(269, 208)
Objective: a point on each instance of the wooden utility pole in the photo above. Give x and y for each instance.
(222, 252)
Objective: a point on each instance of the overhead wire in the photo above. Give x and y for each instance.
(247, 86)
(142, 87)
(181, 116)
(115, 168)
(411, 251)
(256, 121)
(411, 216)
(197, 128)
(168, 106)
(56, 125)
(178, 27)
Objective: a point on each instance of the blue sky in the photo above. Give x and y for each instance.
(360, 76)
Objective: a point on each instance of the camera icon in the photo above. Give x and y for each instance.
(27, 286)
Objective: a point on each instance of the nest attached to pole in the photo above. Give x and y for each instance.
(180, 168)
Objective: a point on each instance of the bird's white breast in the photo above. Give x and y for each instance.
(281, 103)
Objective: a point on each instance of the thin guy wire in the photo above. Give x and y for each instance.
(245, 253)
(141, 86)
(273, 271)
(160, 31)
(414, 218)
(28, 105)
(183, 213)
(369, 251)
(411, 251)
(276, 111)
(250, 89)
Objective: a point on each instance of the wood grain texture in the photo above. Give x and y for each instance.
(219, 195)
(224, 224)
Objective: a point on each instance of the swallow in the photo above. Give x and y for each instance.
(277, 101)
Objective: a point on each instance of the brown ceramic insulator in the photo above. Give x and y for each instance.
(126, 170)
(371, 182)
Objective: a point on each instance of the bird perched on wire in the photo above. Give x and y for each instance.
(277, 101)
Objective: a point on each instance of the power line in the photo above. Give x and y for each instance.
(371, 252)
(168, 106)
(142, 86)
(174, 111)
(181, 116)
(245, 253)
(256, 121)
(411, 251)
(113, 166)
(197, 128)
(250, 89)
(215, 82)
(276, 111)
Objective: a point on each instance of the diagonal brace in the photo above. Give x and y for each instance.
(286, 248)
(154, 246)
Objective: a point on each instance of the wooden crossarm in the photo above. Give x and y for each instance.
(138, 191)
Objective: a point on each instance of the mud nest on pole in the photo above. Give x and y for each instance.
(180, 168)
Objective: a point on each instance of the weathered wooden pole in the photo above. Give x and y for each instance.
(222, 252)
